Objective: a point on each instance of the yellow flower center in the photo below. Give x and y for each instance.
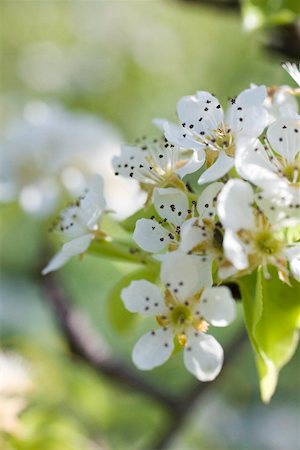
(266, 243)
(180, 314)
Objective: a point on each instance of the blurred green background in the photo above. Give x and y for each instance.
(126, 62)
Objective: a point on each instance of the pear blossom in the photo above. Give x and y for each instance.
(250, 239)
(183, 312)
(157, 163)
(49, 153)
(293, 70)
(204, 125)
(280, 102)
(78, 225)
(203, 235)
(173, 207)
(275, 168)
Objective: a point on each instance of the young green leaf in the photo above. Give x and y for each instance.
(272, 316)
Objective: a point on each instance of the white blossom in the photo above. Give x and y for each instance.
(50, 153)
(173, 207)
(78, 225)
(182, 312)
(250, 239)
(275, 168)
(204, 125)
(157, 163)
(202, 235)
(280, 102)
(15, 385)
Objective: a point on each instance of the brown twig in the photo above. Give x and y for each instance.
(222, 4)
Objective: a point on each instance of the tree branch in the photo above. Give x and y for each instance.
(225, 4)
(87, 344)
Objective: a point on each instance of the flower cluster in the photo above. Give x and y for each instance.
(50, 153)
(243, 214)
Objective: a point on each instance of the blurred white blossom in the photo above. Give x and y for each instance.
(50, 151)
(15, 385)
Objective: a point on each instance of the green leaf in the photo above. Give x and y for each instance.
(272, 317)
(121, 319)
(120, 251)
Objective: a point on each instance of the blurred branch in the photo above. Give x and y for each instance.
(285, 40)
(86, 343)
(226, 4)
(196, 392)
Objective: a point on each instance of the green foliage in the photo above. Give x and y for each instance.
(261, 13)
(272, 316)
(120, 318)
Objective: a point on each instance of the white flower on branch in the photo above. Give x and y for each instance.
(275, 168)
(51, 152)
(281, 102)
(157, 163)
(173, 207)
(204, 125)
(183, 312)
(78, 225)
(250, 239)
(203, 235)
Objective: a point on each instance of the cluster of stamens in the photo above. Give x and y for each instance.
(181, 316)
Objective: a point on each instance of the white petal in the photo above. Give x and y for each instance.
(253, 164)
(284, 137)
(293, 255)
(226, 271)
(153, 349)
(235, 205)
(180, 136)
(193, 164)
(220, 167)
(293, 71)
(191, 234)
(203, 356)
(206, 205)
(59, 260)
(249, 123)
(97, 188)
(279, 203)
(184, 274)
(171, 204)
(200, 112)
(129, 162)
(251, 97)
(281, 104)
(234, 250)
(143, 297)
(93, 203)
(247, 116)
(150, 235)
(77, 246)
(217, 306)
